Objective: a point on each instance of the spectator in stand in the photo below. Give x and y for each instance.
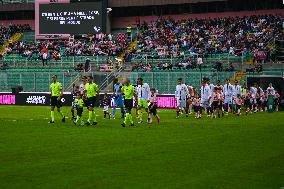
(208, 36)
(44, 58)
(199, 62)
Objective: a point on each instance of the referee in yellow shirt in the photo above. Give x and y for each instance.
(90, 93)
(129, 92)
(56, 95)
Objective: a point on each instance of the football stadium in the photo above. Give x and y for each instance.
(142, 94)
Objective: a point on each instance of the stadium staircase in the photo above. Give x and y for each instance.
(14, 39)
(241, 77)
(107, 83)
(129, 49)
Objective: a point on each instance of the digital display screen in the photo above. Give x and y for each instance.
(72, 18)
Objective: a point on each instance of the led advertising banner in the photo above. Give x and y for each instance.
(43, 99)
(31, 99)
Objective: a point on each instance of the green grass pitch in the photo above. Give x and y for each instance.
(231, 152)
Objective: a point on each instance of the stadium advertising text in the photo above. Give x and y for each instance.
(7, 99)
(64, 18)
(43, 99)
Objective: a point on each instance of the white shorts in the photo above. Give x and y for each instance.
(105, 108)
(228, 100)
(181, 103)
(205, 104)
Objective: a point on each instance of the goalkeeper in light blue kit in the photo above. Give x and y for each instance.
(118, 99)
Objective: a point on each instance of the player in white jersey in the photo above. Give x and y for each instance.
(181, 94)
(153, 106)
(212, 89)
(253, 92)
(270, 90)
(82, 85)
(188, 108)
(227, 90)
(236, 90)
(211, 86)
(205, 93)
(259, 95)
(143, 94)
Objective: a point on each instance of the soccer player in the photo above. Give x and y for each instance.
(91, 91)
(82, 85)
(129, 93)
(215, 99)
(270, 90)
(247, 101)
(236, 90)
(153, 106)
(259, 95)
(253, 92)
(219, 86)
(196, 106)
(264, 101)
(188, 108)
(106, 104)
(79, 105)
(227, 96)
(75, 92)
(143, 93)
(211, 86)
(239, 102)
(205, 93)
(277, 101)
(221, 100)
(56, 95)
(118, 99)
(181, 95)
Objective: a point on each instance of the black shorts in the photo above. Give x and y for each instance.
(79, 111)
(196, 108)
(238, 107)
(220, 105)
(128, 103)
(153, 108)
(55, 102)
(258, 101)
(90, 102)
(277, 101)
(264, 103)
(215, 105)
(247, 102)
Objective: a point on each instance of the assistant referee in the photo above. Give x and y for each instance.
(56, 93)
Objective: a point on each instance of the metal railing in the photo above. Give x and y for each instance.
(34, 82)
(164, 82)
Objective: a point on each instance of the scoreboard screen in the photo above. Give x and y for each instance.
(72, 18)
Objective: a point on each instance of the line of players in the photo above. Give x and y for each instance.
(217, 100)
(214, 100)
(123, 97)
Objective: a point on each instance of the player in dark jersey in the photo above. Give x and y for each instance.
(75, 92)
